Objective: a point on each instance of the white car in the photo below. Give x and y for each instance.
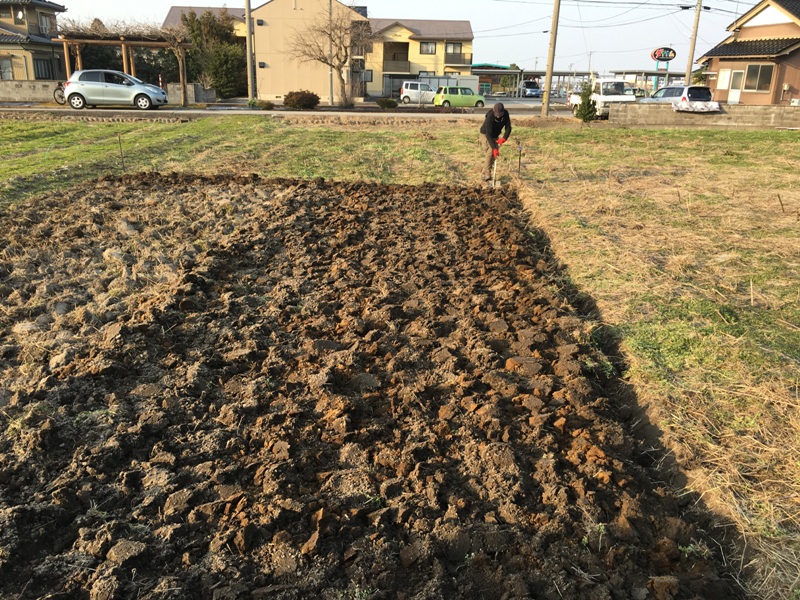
(100, 86)
(416, 92)
(680, 93)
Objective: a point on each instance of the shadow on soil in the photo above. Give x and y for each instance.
(714, 535)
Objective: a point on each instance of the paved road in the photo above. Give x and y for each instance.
(518, 106)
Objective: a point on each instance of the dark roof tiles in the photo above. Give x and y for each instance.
(174, 15)
(42, 3)
(8, 36)
(427, 29)
(790, 6)
(749, 48)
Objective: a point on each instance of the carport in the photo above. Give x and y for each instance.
(127, 43)
(490, 75)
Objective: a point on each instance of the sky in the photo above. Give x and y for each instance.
(604, 35)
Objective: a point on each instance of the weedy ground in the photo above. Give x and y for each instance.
(683, 247)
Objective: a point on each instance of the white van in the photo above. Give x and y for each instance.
(416, 92)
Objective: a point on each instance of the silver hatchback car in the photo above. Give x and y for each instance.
(100, 86)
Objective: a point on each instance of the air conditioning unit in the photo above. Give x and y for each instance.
(794, 102)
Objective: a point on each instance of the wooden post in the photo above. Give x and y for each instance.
(132, 62)
(67, 61)
(125, 66)
(182, 71)
(79, 57)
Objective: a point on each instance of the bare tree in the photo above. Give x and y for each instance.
(333, 40)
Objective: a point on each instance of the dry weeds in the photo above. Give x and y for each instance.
(702, 254)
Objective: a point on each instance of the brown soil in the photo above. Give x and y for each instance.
(242, 388)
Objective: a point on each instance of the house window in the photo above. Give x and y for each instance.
(427, 47)
(427, 73)
(6, 71)
(366, 76)
(758, 78)
(43, 68)
(453, 48)
(46, 23)
(5, 12)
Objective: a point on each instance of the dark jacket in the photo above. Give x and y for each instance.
(492, 126)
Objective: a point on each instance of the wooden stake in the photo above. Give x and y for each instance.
(783, 210)
(121, 156)
(752, 299)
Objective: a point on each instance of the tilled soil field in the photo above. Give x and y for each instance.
(244, 388)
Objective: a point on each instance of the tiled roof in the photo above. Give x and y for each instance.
(790, 6)
(431, 30)
(753, 48)
(8, 36)
(175, 12)
(42, 3)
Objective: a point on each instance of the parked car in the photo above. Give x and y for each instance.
(530, 89)
(678, 93)
(416, 92)
(100, 86)
(457, 96)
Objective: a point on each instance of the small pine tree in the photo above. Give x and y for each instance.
(587, 110)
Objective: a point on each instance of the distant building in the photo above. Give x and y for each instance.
(236, 14)
(403, 49)
(412, 48)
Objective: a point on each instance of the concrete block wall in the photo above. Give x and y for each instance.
(731, 116)
(195, 94)
(27, 91)
(42, 91)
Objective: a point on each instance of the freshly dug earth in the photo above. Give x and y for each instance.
(244, 388)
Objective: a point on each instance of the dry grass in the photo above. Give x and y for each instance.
(691, 250)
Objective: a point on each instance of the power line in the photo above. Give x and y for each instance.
(620, 24)
(510, 26)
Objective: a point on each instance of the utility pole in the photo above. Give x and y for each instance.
(690, 60)
(251, 88)
(551, 57)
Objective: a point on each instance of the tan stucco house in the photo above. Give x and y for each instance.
(401, 49)
(26, 50)
(759, 62)
(275, 25)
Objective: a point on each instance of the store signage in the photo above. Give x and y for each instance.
(662, 54)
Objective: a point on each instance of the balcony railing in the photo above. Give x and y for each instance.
(458, 59)
(36, 29)
(396, 66)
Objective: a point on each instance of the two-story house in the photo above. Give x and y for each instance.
(759, 62)
(26, 49)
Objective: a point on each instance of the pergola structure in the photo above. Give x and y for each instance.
(127, 43)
